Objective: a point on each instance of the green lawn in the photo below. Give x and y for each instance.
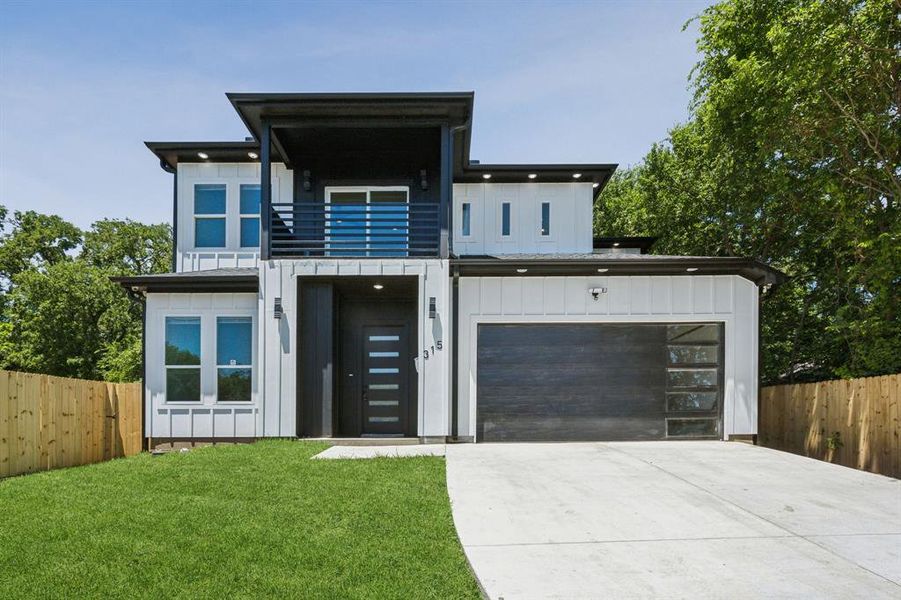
(260, 520)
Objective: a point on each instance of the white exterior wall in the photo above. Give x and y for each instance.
(278, 338)
(190, 258)
(207, 418)
(729, 299)
(570, 223)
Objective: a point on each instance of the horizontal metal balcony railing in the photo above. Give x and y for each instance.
(358, 230)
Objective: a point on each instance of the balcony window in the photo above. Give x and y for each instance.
(234, 359)
(209, 215)
(182, 359)
(367, 221)
(250, 216)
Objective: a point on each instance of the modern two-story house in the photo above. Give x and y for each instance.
(349, 271)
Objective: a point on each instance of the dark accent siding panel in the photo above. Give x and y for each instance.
(585, 382)
(315, 360)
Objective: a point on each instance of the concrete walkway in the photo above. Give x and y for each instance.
(672, 520)
(341, 452)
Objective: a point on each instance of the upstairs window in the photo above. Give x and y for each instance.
(505, 219)
(367, 221)
(209, 215)
(545, 218)
(466, 224)
(234, 358)
(250, 215)
(183, 359)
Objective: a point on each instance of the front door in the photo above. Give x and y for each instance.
(385, 379)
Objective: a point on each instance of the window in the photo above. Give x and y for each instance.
(545, 218)
(209, 215)
(183, 359)
(693, 379)
(234, 358)
(505, 218)
(367, 221)
(250, 215)
(467, 212)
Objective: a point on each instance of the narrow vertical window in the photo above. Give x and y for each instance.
(209, 215)
(505, 218)
(250, 215)
(467, 209)
(545, 218)
(234, 358)
(182, 359)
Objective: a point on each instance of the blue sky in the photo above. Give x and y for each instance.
(82, 85)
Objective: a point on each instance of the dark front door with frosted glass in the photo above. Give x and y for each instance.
(384, 385)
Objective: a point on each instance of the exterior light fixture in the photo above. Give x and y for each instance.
(433, 308)
(203, 155)
(522, 270)
(533, 175)
(378, 286)
(603, 270)
(596, 185)
(253, 155)
(576, 175)
(486, 175)
(277, 309)
(691, 269)
(616, 244)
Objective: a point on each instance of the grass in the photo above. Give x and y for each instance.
(260, 520)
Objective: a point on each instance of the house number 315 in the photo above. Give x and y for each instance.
(439, 345)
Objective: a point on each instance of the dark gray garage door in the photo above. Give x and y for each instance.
(594, 382)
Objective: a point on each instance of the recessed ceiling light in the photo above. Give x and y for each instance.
(596, 185)
(253, 155)
(691, 269)
(533, 175)
(616, 244)
(521, 270)
(378, 286)
(486, 175)
(603, 270)
(203, 155)
(576, 175)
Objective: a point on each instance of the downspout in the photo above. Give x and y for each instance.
(766, 290)
(168, 169)
(455, 295)
(136, 296)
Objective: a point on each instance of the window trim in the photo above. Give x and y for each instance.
(210, 216)
(216, 366)
(166, 367)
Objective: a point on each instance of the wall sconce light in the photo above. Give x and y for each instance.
(433, 310)
(596, 292)
(423, 179)
(307, 184)
(277, 309)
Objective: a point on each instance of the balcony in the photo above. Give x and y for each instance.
(384, 229)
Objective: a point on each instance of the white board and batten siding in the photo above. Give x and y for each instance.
(207, 418)
(191, 258)
(729, 299)
(278, 337)
(571, 206)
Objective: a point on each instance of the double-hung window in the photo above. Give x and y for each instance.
(234, 359)
(250, 215)
(183, 359)
(367, 221)
(209, 215)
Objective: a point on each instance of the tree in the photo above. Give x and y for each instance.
(35, 241)
(128, 247)
(790, 155)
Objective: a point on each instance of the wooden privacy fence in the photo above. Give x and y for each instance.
(853, 422)
(50, 422)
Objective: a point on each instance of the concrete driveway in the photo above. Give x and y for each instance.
(672, 520)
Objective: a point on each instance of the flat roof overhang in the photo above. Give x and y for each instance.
(751, 269)
(173, 153)
(189, 282)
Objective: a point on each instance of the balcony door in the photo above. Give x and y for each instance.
(367, 221)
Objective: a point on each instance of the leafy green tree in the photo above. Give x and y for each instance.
(128, 247)
(790, 155)
(35, 241)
